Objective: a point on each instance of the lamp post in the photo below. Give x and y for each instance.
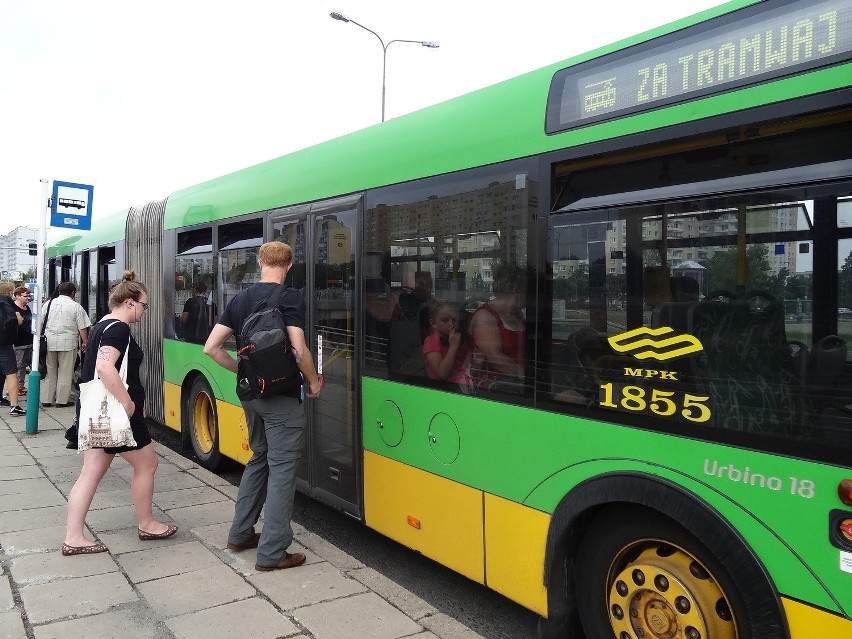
(425, 43)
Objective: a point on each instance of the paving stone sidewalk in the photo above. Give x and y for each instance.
(187, 587)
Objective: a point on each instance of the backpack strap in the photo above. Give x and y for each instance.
(46, 315)
(272, 300)
(269, 302)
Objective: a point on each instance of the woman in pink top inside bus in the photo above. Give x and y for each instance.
(497, 329)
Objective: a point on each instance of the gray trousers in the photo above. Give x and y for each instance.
(276, 428)
(60, 373)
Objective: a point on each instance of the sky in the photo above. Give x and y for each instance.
(142, 99)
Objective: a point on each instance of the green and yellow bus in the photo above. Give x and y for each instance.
(671, 217)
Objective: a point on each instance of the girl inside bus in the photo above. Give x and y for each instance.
(445, 354)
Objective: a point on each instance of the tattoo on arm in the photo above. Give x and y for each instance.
(103, 354)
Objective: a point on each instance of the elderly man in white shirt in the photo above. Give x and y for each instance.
(66, 331)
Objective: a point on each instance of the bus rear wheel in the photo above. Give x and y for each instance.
(639, 574)
(202, 424)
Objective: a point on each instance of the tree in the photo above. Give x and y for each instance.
(798, 287)
(721, 273)
(844, 284)
(616, 287)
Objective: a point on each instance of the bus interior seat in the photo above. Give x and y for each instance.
(683, 289)
(747, 363)
(830, 417)
(799, 356)
(825, 366)
(584, 350)
(677, 313)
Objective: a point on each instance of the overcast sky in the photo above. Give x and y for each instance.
(143, 99)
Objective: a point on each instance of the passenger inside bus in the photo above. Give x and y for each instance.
(445, 351)
(582, 357)
(410, 325)
(497, 331)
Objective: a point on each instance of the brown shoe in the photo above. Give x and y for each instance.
(288, 561)
(67, 550)
(251, 542)
(147, 536)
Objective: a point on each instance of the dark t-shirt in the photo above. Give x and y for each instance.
(25, 330)
(117, 337)
(196, 328)
(292, 306)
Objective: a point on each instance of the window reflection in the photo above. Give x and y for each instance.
(444, 249)
(717, 329)
(194, 286)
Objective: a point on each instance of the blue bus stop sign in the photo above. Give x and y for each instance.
(71, 205)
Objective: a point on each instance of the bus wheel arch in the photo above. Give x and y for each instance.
(597, 526)
(200, 423)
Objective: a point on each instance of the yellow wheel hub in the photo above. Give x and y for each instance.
(661, 592)
(202, 423)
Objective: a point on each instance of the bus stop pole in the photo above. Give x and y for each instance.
(34, 387)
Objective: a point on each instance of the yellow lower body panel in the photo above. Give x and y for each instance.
(233, 432)
(515, 540)
(437, 517)
(806, 622)
(171, 399)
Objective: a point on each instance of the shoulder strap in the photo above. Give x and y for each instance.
(46, 315)
(123, 370)
(275, 298)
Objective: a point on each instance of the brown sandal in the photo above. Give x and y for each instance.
(146, 536)
(83, 550)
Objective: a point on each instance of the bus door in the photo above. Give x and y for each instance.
(324, 242)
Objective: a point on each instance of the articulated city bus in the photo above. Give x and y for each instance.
(647, 251)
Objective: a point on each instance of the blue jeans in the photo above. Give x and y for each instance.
(276, 428)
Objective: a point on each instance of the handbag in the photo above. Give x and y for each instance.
(103, 422)
(42, 349)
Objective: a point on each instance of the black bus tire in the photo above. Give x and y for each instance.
(202, 425)
(638, 569)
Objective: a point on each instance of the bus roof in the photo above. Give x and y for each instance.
(107, 230)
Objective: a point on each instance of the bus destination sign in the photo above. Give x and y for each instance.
(758, 43)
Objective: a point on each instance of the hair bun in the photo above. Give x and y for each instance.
(129, 276)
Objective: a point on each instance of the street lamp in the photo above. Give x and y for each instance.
(426, 43)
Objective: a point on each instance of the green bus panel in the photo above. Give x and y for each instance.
(183, 359)
(535, 458)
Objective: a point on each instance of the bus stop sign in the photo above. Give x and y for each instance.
(71, 205)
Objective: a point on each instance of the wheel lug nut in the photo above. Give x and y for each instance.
(661, 583)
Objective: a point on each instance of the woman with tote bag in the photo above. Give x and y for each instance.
(112, 342)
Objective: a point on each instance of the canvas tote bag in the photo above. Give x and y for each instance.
(103, 421)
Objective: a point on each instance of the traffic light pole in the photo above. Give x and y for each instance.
(34, 387)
